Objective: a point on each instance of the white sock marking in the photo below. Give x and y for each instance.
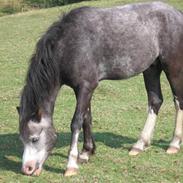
(177, 138)
(72, 162)
(84, 156)
(147, 131)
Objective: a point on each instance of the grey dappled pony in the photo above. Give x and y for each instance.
(89, 45)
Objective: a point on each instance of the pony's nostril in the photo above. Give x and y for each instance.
(30, 168)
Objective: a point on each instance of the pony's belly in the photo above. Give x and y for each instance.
(116, 73)
(119, 69)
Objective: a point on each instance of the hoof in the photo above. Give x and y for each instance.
(135, 151)
(37, 172)
(172, 150)
(80, 160)
(70, 172)
(83, 157)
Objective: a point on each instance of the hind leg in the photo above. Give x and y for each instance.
(155, 99)
(175, 81)
(174, 146)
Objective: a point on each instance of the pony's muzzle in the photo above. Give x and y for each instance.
(30, 168)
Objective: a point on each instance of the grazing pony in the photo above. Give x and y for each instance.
(89, 45)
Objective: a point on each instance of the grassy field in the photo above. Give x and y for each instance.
(119, 111)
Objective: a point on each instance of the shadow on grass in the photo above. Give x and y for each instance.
(11, 148)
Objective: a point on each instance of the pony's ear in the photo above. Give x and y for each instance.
(39, 114)
(18, 109)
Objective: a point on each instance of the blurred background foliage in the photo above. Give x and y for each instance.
(14, 6)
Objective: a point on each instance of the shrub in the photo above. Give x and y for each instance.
(13, 6)
(49, 3)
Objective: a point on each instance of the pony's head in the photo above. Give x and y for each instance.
(38, 137)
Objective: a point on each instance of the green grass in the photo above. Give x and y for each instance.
(119, 112)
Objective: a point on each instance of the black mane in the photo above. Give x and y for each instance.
(43, 72)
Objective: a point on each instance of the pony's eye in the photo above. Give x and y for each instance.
(34, 139)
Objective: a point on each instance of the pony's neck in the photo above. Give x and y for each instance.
(47, 106)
